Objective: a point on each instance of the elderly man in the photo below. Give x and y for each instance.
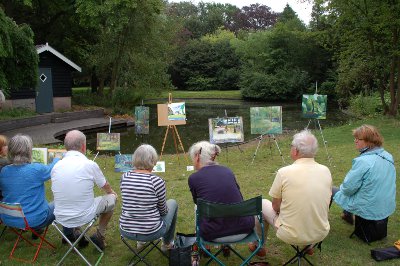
(300, 196)
(72, 185)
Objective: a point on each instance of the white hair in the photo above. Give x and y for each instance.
(305, 143)
(20, 149)
(145, 157)
(206, 151)
(74, 140)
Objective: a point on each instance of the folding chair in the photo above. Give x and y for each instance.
(58, 227)
(251, 207)
(301, 253)
(370, 230)
(139, 255)
(4, 228)
(15, 210)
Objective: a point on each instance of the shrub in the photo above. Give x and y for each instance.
(16, 113)
(366, 105)
(124, 100)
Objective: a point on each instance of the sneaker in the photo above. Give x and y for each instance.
(140, 245)
(226, 251)
(348, 218)
(98, 240)
(165, 247)
(261, 254)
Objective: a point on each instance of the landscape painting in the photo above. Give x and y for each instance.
(314, 106)
(123, 163)
(39, 155)
(266, 120)
(176, 111)
(159, 167)
(108, 142)
(142, 120)
(226, 129)
(55, 153)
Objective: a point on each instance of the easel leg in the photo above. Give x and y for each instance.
(163, 145)
(258, 146)
(326, 148)
(180, 143)
(176, 146)
(280, 152)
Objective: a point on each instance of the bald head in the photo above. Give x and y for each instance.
(75, 140)
(305, 143)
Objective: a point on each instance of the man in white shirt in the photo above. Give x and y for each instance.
(72, 184)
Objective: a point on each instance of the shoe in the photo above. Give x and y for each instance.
(348, 218)
(226, 251)
(39, 231)
(74, 236)
(140, 245)
(98, 240)
(166, 247)
(261, 254)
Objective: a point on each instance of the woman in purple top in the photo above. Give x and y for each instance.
(216, 183)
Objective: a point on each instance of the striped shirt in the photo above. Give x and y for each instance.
(143, 203)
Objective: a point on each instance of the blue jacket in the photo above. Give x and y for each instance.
(369, 188)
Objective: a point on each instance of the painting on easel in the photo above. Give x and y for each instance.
(55, 153)
(314, 106)
(108, 142)
(39, 155)
(176, 111)
(123, 163)
(266, 120)
(142, 120)
(226, 129)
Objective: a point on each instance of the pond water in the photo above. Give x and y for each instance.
(196, 128)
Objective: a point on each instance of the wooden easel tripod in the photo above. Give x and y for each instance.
(175, 136)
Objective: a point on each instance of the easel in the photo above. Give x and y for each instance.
(175, 135)
(226, 143)
(270, 136)
(109, 131)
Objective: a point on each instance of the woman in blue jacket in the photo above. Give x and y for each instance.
(369, 188)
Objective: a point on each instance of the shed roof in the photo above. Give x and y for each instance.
(46, 47)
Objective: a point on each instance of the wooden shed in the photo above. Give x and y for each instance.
(54, 88)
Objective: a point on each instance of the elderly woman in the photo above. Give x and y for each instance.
(369, 188)
(146, 214)
(216, 183)
(3, 155)
(23, 181)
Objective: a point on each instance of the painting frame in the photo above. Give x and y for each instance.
(226, 129)
(108, 142)
(266, 120)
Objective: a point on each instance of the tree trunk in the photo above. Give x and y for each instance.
(101, 86)
(94, 83)
(392, 83)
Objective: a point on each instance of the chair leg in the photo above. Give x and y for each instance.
(299, 255)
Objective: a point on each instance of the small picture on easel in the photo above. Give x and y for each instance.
(226, 129)
(176, 111)
(108, 142)
(266, 120)
(39, 155)
(55, 153)
(142, 120)
(314, 106)
(123, 163)
(159, 167)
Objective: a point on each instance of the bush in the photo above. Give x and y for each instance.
(16, 113)
(366, 105)
(124, 100)
(87, 98)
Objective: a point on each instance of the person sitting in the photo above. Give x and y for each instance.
(216, 183)
(72, 180)
(301, 195)
(23, 182)
(369, 188)
(146, 214)
(3, 155)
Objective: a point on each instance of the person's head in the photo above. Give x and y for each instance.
(20, 149)
(75, 140)
(3, 146)
(203, 153)
(367, 136)
(145, 157)
(304, 145)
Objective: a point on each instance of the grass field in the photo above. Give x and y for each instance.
(254, 179)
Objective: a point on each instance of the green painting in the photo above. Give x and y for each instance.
(314, 106)
(266, 120)
(108, 142)
(39, 155)
(142, 120)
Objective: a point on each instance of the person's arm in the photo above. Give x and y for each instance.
(192, 190)
(276, 204)
(108, 190)
(354, 178)
(161, 193)
(45, 170)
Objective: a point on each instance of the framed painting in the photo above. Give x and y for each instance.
(176, 111)
(123, 163)
(39, 155)
(142, 120)
(108, 142)
(162, 116)
(226, 129)
(55, 153)
(266, 120)
(314, 106)
(159, 167)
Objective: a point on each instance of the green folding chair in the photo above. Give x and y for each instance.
(251, 207)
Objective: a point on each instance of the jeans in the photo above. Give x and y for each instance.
(49, 219)
(167, 230)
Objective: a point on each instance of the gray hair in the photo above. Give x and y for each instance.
(305, 143)
(20, 149)
(145, 157)
(74, 140)
(206, 151)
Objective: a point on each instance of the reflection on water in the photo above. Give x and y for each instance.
(196, 128)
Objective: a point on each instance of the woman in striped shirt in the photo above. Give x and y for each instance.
(146, 214)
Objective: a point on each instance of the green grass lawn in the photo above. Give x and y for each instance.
(254, 179)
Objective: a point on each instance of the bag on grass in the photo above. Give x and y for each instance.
(388, 253)
(181, 254)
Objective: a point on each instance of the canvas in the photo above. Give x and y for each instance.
(123, 163)
(142, 119)
(159, 167)
(266, 120)
(225, 130)
(108, 142)
(55, 153)
(39, 155)
(314, 106)
(176, 111)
